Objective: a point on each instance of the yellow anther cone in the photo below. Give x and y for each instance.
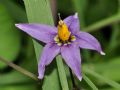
(63, 32)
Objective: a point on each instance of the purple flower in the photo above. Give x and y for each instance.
(65, 39)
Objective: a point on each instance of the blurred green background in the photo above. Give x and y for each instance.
(99, 17)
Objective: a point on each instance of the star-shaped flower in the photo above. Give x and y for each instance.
(65, 39)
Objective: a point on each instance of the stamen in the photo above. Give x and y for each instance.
(56, 38)
(59, 44)
(69, 42)
(73, 38)
(63, 32)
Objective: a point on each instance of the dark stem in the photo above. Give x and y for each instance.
(73, 81)
(19, 69)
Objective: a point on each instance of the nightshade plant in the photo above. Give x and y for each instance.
(65, 39)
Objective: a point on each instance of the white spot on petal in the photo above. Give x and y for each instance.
(16, 24)
(102, 53)
(76, 15)
(80, 78)
(40, 76)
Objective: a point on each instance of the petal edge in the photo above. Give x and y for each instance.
(71, 56)
(73, 23)
(44, 33)
(48, 54)
(87, 41)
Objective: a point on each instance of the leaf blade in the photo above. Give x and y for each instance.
(90, 83)
(44, 16)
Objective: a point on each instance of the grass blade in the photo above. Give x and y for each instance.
(98, 76)
(62, 73)
(38, 11)
(102, 23)
(90, 83)
(80, 7)
(15, 10)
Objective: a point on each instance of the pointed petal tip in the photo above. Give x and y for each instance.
(40, 77)
(20, 26)
(17, 25)
(76, 15)
(80, 78)
(102, 53)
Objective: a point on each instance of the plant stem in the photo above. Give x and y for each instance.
(102, 78)
(89, 82)
(62, 74)
(19, 69)
(118, 6)
(102, 23)
(73, 81)
(115, 32)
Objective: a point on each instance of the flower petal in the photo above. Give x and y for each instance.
(48, 54)
(40, 32)
(73, 23)
(86, 40)
(71, 55)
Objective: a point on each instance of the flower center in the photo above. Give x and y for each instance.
(63, 32)
(59, 42)
(64, 36)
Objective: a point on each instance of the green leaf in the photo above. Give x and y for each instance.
(26, 63)
(62, 74)
(38, 11)
(12, 78)
(115, 34)
(100, 9)
(19, 87)
(9, 37)
(109, 69)
(102, 78)
(80, 7)
(68, 6)
(15, 10)
(90, 83)
(102, 23)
